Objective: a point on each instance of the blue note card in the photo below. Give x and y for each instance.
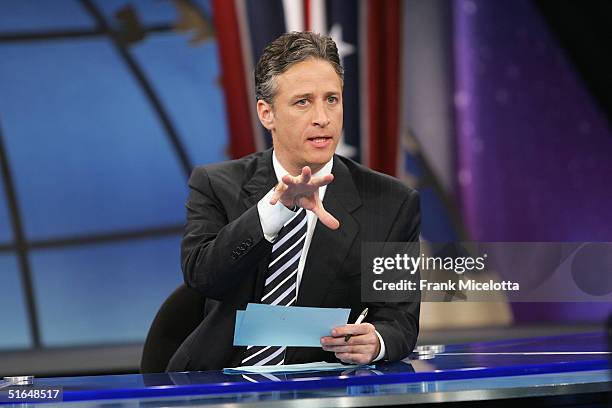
(293, 326)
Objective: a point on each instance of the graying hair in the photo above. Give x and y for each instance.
(288, 49)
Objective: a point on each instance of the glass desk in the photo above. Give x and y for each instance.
(552, 370)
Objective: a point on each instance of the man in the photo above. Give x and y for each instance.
(285, 226)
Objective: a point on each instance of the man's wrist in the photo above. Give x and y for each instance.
(382, 349)
(272, 217)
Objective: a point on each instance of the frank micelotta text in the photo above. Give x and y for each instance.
(447, 286)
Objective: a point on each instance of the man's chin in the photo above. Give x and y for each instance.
(319, 160)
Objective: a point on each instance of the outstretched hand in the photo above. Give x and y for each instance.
(303, 191)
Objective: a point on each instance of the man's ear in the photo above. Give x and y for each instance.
(265, 114)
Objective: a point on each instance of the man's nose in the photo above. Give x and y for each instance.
(320, 116)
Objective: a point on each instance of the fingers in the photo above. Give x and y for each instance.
(367, 349)
(306, 175)
(326, 218)
(279, 190)
(289, 180)
(323, 180)
(353, 329)
(361, 348)
(306, 179)
(362, 334)
(353, 358)
(303, 191)
(360, 340)
(303, 178)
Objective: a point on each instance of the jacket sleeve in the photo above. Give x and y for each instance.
(398, 323)
(217, 254)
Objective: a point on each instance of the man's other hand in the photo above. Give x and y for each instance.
(303, 191)
(361, 348)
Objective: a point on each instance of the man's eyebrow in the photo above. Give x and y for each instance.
(309, 95)
(300, 96)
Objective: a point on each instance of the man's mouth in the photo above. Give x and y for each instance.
(320, 141)
(319, 138)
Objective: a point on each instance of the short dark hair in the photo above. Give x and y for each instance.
(288, 49)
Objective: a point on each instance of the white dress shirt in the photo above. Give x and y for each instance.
(273, 217)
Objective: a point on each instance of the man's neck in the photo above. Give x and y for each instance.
(296, 169)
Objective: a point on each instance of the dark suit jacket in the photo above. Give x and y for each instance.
(225, 255)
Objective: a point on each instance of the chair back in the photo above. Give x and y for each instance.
(178, 316)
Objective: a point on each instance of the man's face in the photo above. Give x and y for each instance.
(306, 116)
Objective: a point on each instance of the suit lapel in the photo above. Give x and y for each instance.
(328, 249)
(261, 182)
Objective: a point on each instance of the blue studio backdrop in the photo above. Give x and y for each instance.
(103, 109)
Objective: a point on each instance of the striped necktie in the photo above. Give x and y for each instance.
(281, 283)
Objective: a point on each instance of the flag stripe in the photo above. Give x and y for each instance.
(383, 84)
(233, 79)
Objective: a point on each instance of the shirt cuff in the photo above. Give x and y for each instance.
(381, 354)
(272, 217)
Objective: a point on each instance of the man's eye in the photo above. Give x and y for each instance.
(332, 99)
(302, 102)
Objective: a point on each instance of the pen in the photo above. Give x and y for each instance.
(358, 321)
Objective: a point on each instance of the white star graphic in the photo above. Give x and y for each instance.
(344, 49)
